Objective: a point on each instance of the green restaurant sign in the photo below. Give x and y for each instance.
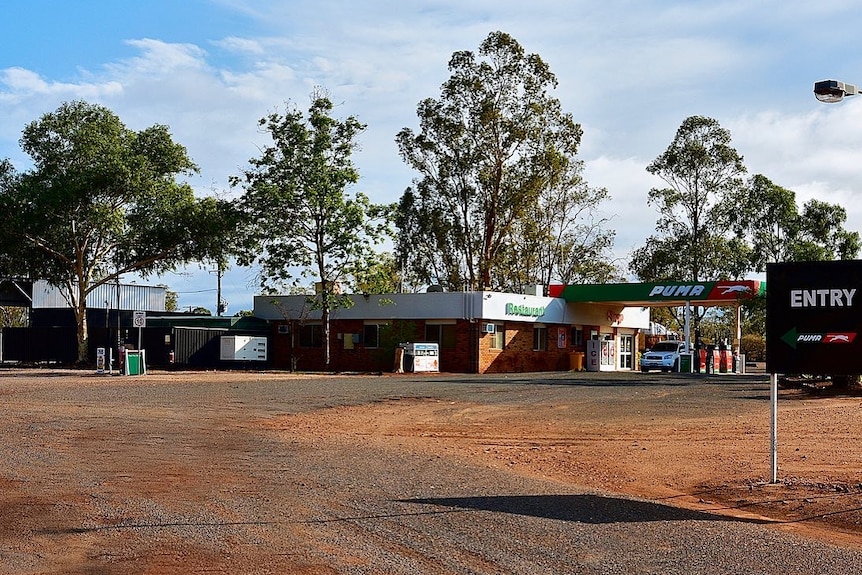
(524, 310)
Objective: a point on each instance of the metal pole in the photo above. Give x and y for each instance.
(119, 335)
(687, 328)
(218, 290)
(773, 427)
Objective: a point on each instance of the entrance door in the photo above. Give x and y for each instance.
(626, 355)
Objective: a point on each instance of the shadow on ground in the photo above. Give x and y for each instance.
(594, 509)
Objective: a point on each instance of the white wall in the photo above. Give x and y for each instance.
(456, 305)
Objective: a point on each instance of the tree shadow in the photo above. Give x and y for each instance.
(593, 509)
(605, 379)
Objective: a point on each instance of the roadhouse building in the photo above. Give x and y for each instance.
(476, 332)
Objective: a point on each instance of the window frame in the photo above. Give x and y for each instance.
(540, 337)
(366, 329)
(498, 338)
(310, 336)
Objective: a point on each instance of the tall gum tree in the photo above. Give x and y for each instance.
(692, 241)
(485, 150)
(100, 201)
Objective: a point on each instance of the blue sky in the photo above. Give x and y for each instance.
(629, 71)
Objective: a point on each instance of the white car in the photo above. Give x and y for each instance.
(664, 356)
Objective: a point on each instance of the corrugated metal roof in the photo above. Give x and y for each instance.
(131, 297)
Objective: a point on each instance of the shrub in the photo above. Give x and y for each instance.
(754, 347)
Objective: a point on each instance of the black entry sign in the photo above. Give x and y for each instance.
(814, 318)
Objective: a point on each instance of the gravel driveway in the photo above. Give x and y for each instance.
(228, 473)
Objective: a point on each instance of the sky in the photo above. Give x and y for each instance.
(629, 71)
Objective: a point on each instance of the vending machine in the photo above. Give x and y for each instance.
(422, 357)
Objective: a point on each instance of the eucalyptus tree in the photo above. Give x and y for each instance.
(100, 201)
(768, 216)
(565, 240)
(692, 240)
(486, 149)
(301, 221)
(821, 234)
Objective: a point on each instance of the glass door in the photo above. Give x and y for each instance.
(626, 348)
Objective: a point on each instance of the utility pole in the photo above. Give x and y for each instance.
(221, 305)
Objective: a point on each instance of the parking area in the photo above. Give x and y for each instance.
(273, 472)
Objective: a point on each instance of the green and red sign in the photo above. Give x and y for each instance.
(635, 293)
(813, 317)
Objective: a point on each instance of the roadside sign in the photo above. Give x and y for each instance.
(139, 319)
(813, 317)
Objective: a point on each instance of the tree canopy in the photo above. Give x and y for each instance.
(767, 216)
(296, 205)
(487, 149)
(100, 201)
(692, 240)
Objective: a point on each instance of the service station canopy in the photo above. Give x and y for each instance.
(662, 294)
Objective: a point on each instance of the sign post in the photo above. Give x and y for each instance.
(813, 314)
(139, 320)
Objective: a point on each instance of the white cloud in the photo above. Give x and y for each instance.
(241, 45)
(817, 154)
(628, 183)
(159, 59)
(19, 83)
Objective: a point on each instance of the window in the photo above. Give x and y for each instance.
(498, 338)
(432, 332)
(577, 336)
(540, 338)
(311, 335)
(443, 334)
(371, 334)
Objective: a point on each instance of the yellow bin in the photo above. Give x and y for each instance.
(576, 361)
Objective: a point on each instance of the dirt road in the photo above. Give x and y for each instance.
(233, 472)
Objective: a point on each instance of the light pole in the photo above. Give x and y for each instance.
(833, 91)
(830, 92)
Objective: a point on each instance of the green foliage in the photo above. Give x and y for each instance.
(296, 209)
(753, 346)
(693, 242)
(754, 315)
(766, 215)
(380, 275)
(487, 150)
(11, 316)
(391, 336)
(563, 240)
(172, 299)
(100, 201)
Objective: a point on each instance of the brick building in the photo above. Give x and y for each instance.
(477, 332)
